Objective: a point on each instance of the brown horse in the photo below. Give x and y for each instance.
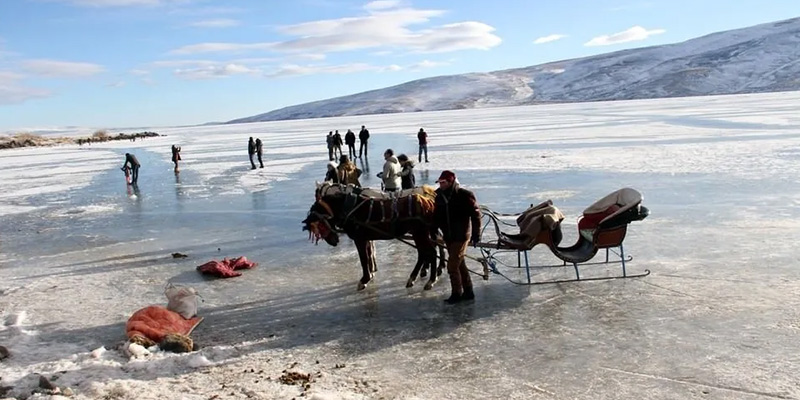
(366, 215)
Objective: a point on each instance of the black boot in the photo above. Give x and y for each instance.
(453, 299)
(468, 295)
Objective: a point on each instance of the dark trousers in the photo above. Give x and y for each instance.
(351, 151)
(134, 173)
(363, 148)
(460, 280)
(330, 153)
(423, 147)
(336, 149)
(259, 160)
(252, 164)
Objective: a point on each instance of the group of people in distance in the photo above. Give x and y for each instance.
(255, 148)
(335, 142)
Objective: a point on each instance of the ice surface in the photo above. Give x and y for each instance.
(717, 318)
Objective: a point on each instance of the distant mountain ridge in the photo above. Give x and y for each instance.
(761, 58)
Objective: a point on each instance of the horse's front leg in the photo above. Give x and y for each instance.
(430, 260)
(373, 266)
(364, 254)
(442, 261)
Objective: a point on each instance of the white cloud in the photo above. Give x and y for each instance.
(425, 64)
(116, 84)
(221, 47)
(207, 10)
(382, 5)
(12, 92)
(215, 23)
(633, 34)
(139, 72)
(549, 38)
(297, 70)
(183, 63)
(62, 69)
(379, 29)
(215, 71)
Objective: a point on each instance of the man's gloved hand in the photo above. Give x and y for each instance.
(475, 239)
(380, 175)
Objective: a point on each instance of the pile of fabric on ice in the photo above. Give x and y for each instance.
(226, 268)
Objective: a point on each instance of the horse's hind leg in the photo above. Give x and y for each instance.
(363, 247)
(421, 265)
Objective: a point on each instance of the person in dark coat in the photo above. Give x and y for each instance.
(363, 136)
(251, 150)
(333, 174)
(456, 215)
(259, 151)
(422, 137)
(134, 166)
(407, 179)
(350, 141)
(329, 141)
(337, 144)
(176, 156)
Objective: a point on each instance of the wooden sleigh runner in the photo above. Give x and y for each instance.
(603, 226)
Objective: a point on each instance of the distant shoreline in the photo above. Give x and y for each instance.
(21, 140)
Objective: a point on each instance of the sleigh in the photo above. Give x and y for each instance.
(603, 226)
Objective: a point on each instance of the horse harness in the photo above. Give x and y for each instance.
(353, 201)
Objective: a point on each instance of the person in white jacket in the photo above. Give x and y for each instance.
(391, 172)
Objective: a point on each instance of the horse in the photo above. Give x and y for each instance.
(367, 214)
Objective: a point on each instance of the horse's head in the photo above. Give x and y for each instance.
(318, 223)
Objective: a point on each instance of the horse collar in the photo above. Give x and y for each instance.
(326, 206)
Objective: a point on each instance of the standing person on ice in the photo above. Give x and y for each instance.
(457, 213)
(391, 172)
(363, 136)
(407, 179)
(329, 142)
(422, 137)
(337, 144)
(259, 151)
(176, 156)
(350, 141)
(251, 150)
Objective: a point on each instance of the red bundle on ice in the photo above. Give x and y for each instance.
(226, 268)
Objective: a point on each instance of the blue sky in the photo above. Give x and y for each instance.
(136, 63)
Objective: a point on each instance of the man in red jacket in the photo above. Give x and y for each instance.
(457, 214)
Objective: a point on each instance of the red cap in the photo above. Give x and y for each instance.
(446, 176)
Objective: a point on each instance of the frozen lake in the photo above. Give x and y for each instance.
(717, 319)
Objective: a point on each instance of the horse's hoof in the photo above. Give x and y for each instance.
(423, 273)
(410, 283)
(361, 286)
(429, 286)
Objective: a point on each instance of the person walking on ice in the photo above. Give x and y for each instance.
(251, 151)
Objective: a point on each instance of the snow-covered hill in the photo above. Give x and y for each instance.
(762, 58)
